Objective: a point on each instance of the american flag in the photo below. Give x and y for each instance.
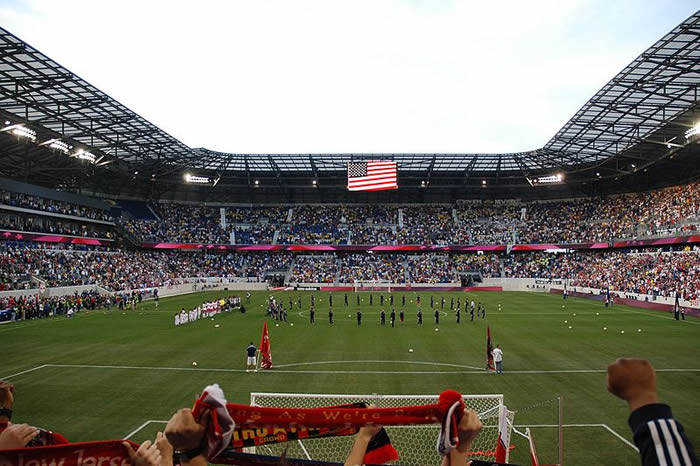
(376, 175)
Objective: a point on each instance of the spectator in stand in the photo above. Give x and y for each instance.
(28, 201)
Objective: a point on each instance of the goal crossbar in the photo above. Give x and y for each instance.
(372, 285)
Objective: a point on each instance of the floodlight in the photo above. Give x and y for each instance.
(694, 131)
(85, 155)
(21, 131)
(57, 144)
(196, 179)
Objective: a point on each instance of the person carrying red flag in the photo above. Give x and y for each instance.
(266, 361)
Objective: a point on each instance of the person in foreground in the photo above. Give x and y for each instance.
(468, 429)
(659, 437)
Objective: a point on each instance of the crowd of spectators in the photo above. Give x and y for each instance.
(53, 226)
(356, 267)
(433, 224)
(257, 264)
(255, 215)
(125, 270)
(431, 268)
(390, 267)
(28, 201)
(313, 269)
(663, 212)
(181, 224)
(36, 306)
(657, 273)
(313, 234)
(372, 235)
(489, 265)
(254, 234)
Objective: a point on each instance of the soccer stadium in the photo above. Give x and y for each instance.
(165, 304)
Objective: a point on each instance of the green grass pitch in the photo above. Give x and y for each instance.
(104, 374)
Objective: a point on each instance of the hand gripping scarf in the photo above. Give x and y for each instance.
(225, 417)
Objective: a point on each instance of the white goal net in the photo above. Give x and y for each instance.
(415, 444)
(371, 285)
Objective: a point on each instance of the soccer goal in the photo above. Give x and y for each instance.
(415, 444)
(372, 285)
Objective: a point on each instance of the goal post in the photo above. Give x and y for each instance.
(415, 444)
(371, 285)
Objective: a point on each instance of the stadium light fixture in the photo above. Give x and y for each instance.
(483, 182)
(85, 155)
(548, 179)
(20, 131)
(694, 131)
(314, 182)
(57, 144)
(257, 182)
(196, 179)
(633, 166)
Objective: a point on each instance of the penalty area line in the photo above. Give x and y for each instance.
(138, 429)
(603, 426)
(23, 372)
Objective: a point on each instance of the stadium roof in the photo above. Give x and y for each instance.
(634, 119)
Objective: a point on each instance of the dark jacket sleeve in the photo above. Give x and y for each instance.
(660, 438)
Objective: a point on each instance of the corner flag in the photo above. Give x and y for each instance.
(266, 362)
(489, 351)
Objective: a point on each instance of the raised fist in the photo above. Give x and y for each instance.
(634, 381)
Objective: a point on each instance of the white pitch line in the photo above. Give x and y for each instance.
(603, 426)
(606, 427)
(371, 361)
(669, 317)
(275, 371)
(23, 372)
(131, 434)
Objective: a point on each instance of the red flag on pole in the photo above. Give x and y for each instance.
(266, 362)
(489, 351)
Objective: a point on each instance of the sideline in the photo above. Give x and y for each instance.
(284, 371)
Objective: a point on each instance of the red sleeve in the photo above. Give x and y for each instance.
(58, 439)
